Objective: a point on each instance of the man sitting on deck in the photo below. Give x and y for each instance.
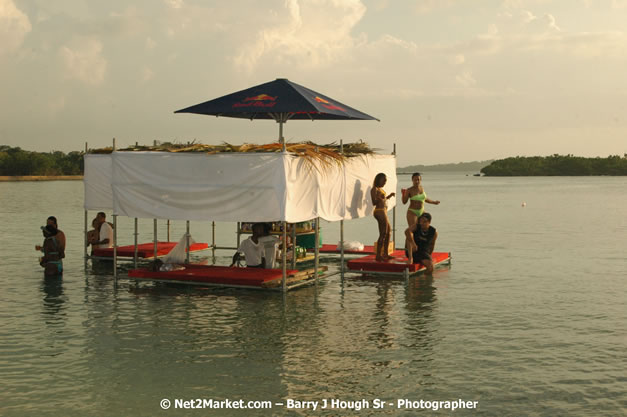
(421, 239)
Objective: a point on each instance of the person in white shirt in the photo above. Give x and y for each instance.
(252, 249)
(270, 246)
(105, 237)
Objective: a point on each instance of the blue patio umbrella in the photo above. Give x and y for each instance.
(280, 100)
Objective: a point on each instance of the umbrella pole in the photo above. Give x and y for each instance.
(281, 138)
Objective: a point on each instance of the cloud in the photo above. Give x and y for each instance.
(379, 5)
(175, 4)
(522, 31)
(465, 79)
(14, 26)
(56, 105)
(612, 4)
(428, 6)
(150, 44)
(305, 33)
(457, 59)
(146, 75)
(83, 60)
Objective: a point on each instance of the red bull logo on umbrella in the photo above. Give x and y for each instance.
(261, 100)
(327, 104)
(261, 97)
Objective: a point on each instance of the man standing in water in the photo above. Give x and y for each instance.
(60, 236)
(105, 238)
(421, 239)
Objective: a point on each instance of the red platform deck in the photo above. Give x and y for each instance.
(202, 274)
(396, 266)
(145, 250)
(328, 248)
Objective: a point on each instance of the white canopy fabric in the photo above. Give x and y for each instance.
(233, 187)
(97, 179)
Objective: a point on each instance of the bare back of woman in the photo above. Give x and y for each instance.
(379, 201)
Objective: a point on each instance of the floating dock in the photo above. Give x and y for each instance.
(395, 267)
(224, 276)
(144, 250)
(330, 248)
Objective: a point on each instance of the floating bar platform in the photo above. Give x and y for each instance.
(394, 267)
(330, 248)
(144, 250)
(224, 276)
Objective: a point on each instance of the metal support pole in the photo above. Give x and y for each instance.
(155, 238)
(341, 221)
(168, 230)
(284, 258)
(316, 249)
(85, 234)
(86, 214)
(342, 245)
(213, 240)
(293, 246)
(239, 230)
(115, 248)
(394, 210)
(135, 254)
(115, 241)
(187, 242)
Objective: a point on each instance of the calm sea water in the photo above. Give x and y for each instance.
(529, 320)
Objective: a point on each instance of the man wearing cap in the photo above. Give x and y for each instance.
(60, 236)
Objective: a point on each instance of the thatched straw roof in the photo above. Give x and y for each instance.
(327, 154)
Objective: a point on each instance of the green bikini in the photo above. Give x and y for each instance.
(422, 198)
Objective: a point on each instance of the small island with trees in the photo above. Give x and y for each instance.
(556, 165)
(16, 163)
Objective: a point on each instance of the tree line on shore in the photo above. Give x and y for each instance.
(467, 167)
(15, 161)
(557, 165)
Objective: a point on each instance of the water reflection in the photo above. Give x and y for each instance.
(53, 301)
(420, 294)
(381, 315)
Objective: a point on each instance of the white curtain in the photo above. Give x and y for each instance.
(233, 187)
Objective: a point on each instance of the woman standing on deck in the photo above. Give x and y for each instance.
(417, 197)
(379, 201)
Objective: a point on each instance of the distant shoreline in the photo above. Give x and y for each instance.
(40, 178)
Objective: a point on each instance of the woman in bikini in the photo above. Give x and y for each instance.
(417, 197)
(379, 201)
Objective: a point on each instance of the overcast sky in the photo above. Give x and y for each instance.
(451, 80)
